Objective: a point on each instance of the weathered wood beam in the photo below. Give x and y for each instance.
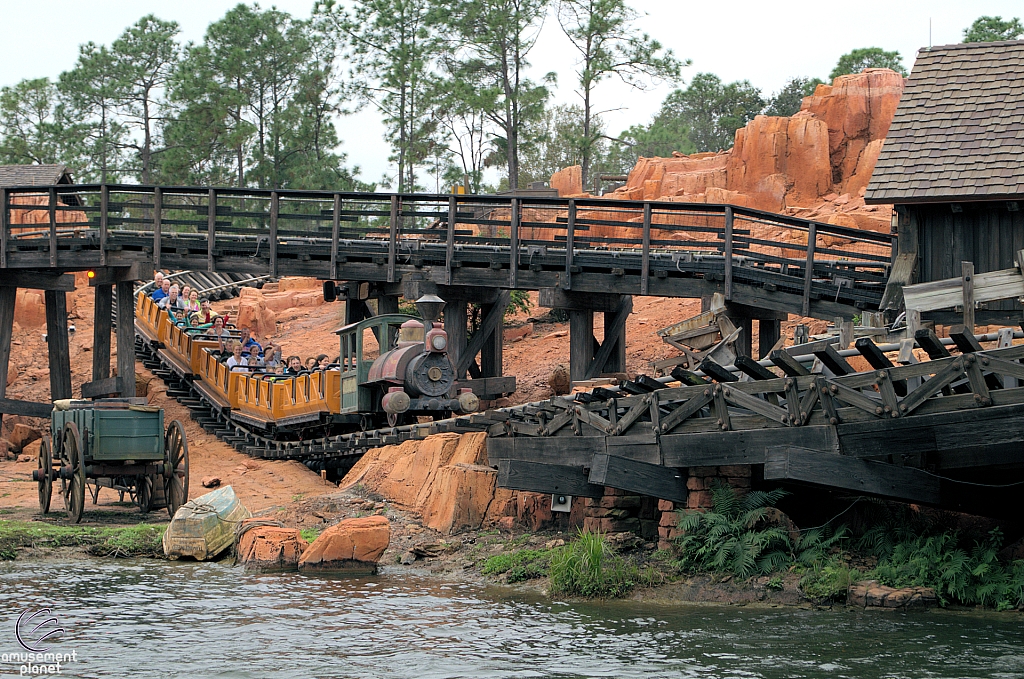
(537, 477)
(126, 337)
(581, 343)
(103, 387)
(117, 274)
(57, 343)
(573, 451)
(491, 321)
(792, 463)
(7, 301)
(556, 298)
(741, 447)
(614, 338)
(102, 320)
(37, 280)
(638, 477)
(10, 406)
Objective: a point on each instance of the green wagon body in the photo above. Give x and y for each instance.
(116, 435)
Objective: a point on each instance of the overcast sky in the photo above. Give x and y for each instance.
(763, 42)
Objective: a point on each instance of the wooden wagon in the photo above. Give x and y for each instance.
(113, 443)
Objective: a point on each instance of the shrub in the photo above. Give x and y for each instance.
(589, 567)
(829, 580)
(525, 564)
(734, 537)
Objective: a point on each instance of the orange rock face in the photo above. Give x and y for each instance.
(270, 548)
(350, 546)
(568, 181)
(254, 314)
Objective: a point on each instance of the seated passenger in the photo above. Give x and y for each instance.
(172, 300)
(248, 340)
(272, 359)
(321, 361)
(220, 333)
(236, 362)
(158, 282)
(310, 363)
(206, 313)
(294, 365)
(255, 364)
(254, 356)
(192, 301)
(162, 292)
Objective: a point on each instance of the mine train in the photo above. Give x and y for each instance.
(391, 369)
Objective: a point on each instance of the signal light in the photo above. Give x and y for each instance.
(91, 274)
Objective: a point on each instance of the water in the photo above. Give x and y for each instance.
(159, 619)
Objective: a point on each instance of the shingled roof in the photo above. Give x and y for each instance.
(958, 134)
(34, 175)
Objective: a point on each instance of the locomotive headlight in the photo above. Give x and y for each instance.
(439, 342)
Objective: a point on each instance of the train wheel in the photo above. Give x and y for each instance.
(45, 475)
(144, 493)
(73, 488)
(175, 467)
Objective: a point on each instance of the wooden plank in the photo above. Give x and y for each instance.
(335, 234)
(104, 221)
(967, 283)
(964, 339)
(38, 280)
(573, 451)
(513, 261)
(491, 321)
(393, 237)
(749, 366)
(754, 404)
(570, 244)
(929, 341)
(158, 209)
(275, 209)
(812, 237)
(449, 251)
(707, 449)
(728, 253)
(8, 297)
(126, 337)
(52, 212)
(948, 293)
(645, 252)
(103, 387)
(789, 365)
(556, 298)
(831, 359)
(900, 275)
(102, 319)
(211, 228)
(57, 343)
(643, 448)
(10, 406)
(791, 463)
(537, 477)
(3, 227)
(652, 480)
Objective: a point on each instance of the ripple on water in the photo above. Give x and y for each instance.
(159, 619)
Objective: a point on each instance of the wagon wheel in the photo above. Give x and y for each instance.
(73, 488)
(175, 467)
(144, 492)
(45, 475)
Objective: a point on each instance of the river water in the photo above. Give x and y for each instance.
(145, 618)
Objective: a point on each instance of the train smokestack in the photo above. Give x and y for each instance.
(430, 307)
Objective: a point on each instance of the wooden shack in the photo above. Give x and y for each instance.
(953, 166)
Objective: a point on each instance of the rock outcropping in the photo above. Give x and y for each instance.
(815, 163)
(269, 547)
(351, 546)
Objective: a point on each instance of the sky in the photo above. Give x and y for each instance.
(763, 42)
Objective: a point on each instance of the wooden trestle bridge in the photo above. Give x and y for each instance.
(897, 431)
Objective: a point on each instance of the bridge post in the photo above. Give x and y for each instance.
(455, 319)
(581, 343)
(8, 295)
(587, 357)
(57, 343)
(768, 333)
(126, 337)
(102, 317)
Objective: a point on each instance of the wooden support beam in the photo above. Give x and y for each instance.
(929, 341)
(4, 219)
(513, 264)
(791, 463)
(616, 362)
(116, 274)
(831, 359)
(963, 338)
(490, 322)
(645, 252)
(707, 449)
(103, 387)
(396, 207)
(768, 335)
(556, 298)
(104, 221)
(653, 480)
(570, 244)
(38, 280)
(449, 256)
(967, 282)
(211, 228)
(491, 351)
(581, 343)
(750, 367)
(158, 216)
(126, 337)
(10, 406)
(275, 209)
(102, 318)
(538, 477)
(728, 253)
(335, 234)
(614, 338)
(455, 322)
(52, 212)
(7, 301)
(812, 237)
(789, 365)
(57, 343)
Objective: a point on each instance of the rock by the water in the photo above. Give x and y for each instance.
(351, 546)
(871, 593)
(269, 548)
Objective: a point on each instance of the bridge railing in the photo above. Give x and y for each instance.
(721, 242)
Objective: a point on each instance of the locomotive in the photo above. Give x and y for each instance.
(391, 369)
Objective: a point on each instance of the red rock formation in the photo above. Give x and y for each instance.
(270, 548)
(254, 314)
(568, 181)
(350, 546)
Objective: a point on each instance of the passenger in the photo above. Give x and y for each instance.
(185, 291)
(158, 281)
(254, 363)
(172, 300)
(162, 292)
(207, 314)
(254, 356)
(321, 361)
(294, 365)
(220, 333)
(236, 362)
(193, 321)
(248, 340)
(193, 302)
(310, 363)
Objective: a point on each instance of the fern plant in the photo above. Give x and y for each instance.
(735, 536)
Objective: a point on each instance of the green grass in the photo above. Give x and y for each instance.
(522, 565)
(140, 540)
(309, 534)
(590, 567)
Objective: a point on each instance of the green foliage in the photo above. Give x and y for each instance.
(788, 100)
(993, 29)
(522, 565)
(519, 302)
(867, 57)
(309, 534)
(140, 540)
(734, 537)
(711, 110)
(589, 567)
(828, 580)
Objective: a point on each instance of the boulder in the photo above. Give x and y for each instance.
(559, 380)
(22, 435)
(254, 314)
(351, 546)
(568, 181)
(269, 547)
(29, 309)
(210, 481)
(870, 593)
